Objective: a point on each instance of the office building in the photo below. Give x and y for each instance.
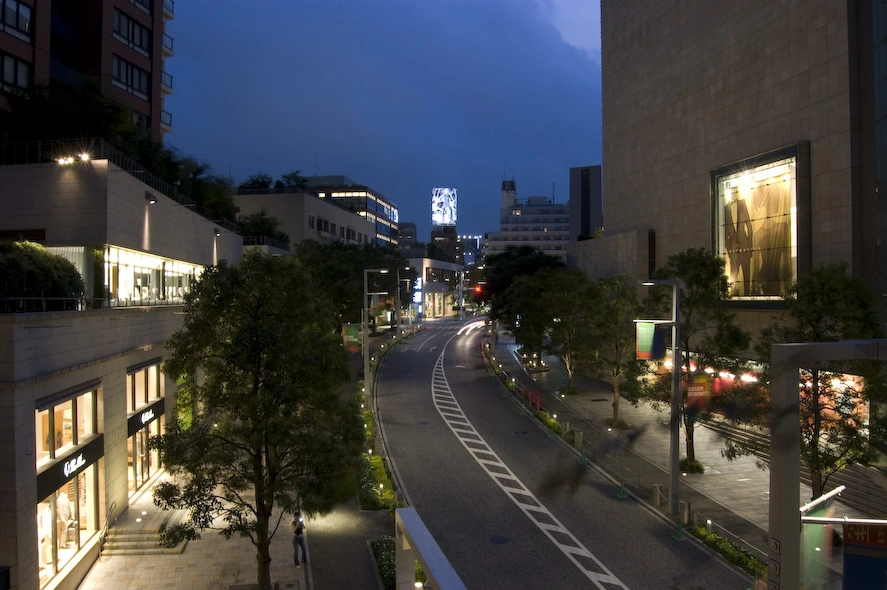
(120, 43)
(362, 200)
(537, 222)
(82, 390)
(751, 128)
(305, 216)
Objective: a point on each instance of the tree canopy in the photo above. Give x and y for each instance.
(260, 223)
(828, 305)
(269, 431)
(707, 325)
(501, 269)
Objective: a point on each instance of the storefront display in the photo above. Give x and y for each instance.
(68, 448)
(756, 205)
(145, 401)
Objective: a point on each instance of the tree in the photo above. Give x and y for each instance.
(272, 432)
(258, 181)
(260, 223)
(501, 269)
(709, 336)
(568, 296)
(294, 180)
(616, 307)
(341, 266)
(827, 305)
(529, 314)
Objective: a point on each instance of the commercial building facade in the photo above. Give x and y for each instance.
(305, 216)
(360, 199)
(81, 391)
(748, 128)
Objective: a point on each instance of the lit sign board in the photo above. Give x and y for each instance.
(443, 206)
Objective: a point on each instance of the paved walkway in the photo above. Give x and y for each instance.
(734, 495)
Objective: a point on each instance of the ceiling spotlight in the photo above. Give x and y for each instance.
(218, 233)
(150, 198)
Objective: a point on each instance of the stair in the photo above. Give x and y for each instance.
(124, 539)
(866, 488)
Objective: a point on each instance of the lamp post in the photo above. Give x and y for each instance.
(365, 317)
(676, 397)
(397, 313)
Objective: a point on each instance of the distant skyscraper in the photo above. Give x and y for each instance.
(537, 222)
(586, 202)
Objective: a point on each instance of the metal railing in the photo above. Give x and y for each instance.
(734, 539)
(167, 42)
(166, 80)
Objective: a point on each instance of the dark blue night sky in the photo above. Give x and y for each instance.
(400, 95)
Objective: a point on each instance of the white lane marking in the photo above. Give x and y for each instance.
(450, 410)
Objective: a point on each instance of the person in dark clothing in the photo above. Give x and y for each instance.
(299, 539)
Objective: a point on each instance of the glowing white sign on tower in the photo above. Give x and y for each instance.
(443, 206)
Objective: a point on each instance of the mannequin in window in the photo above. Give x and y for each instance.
(738, 240)
(64, 514)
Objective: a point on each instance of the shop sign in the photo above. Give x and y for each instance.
(138, 420)
(64, 468)
(71, 467)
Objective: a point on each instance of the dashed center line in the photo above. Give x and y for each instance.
(450, 410)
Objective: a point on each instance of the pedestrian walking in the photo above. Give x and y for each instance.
(299, 539)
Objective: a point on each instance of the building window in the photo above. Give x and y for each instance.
(333, 228)
(66, 519)
(131, 78)
(143, 4)
(756, 208)
(134, 34)
(63, 425)
(143, 387)
(17, 19)
(310, 222)
(16, 74)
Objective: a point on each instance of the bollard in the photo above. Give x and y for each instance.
(684, 512)
(621, 494)
(657, 495)
(577, 442)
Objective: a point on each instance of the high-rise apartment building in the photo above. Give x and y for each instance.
(537, 222)
(752, 128)
(120, 43)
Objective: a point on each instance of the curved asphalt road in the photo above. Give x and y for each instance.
(509, 506)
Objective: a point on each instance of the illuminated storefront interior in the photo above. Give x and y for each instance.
(145, 407)
(68, 448)
(757, 226)
(131, 277)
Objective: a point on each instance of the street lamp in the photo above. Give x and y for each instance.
(397, 300)
(365, 332)
(676, 397)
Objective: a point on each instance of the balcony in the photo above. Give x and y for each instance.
(166, 120)
(166, 44)
(169, 9)
(166, 83)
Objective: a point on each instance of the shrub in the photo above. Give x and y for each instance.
(692, 466)
(550, 422)
(619, 424)
(373, 473)
(733, 554)
(384, 551)
(569, 390)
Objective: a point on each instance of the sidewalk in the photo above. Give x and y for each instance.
(733, 494)
(337, 544)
